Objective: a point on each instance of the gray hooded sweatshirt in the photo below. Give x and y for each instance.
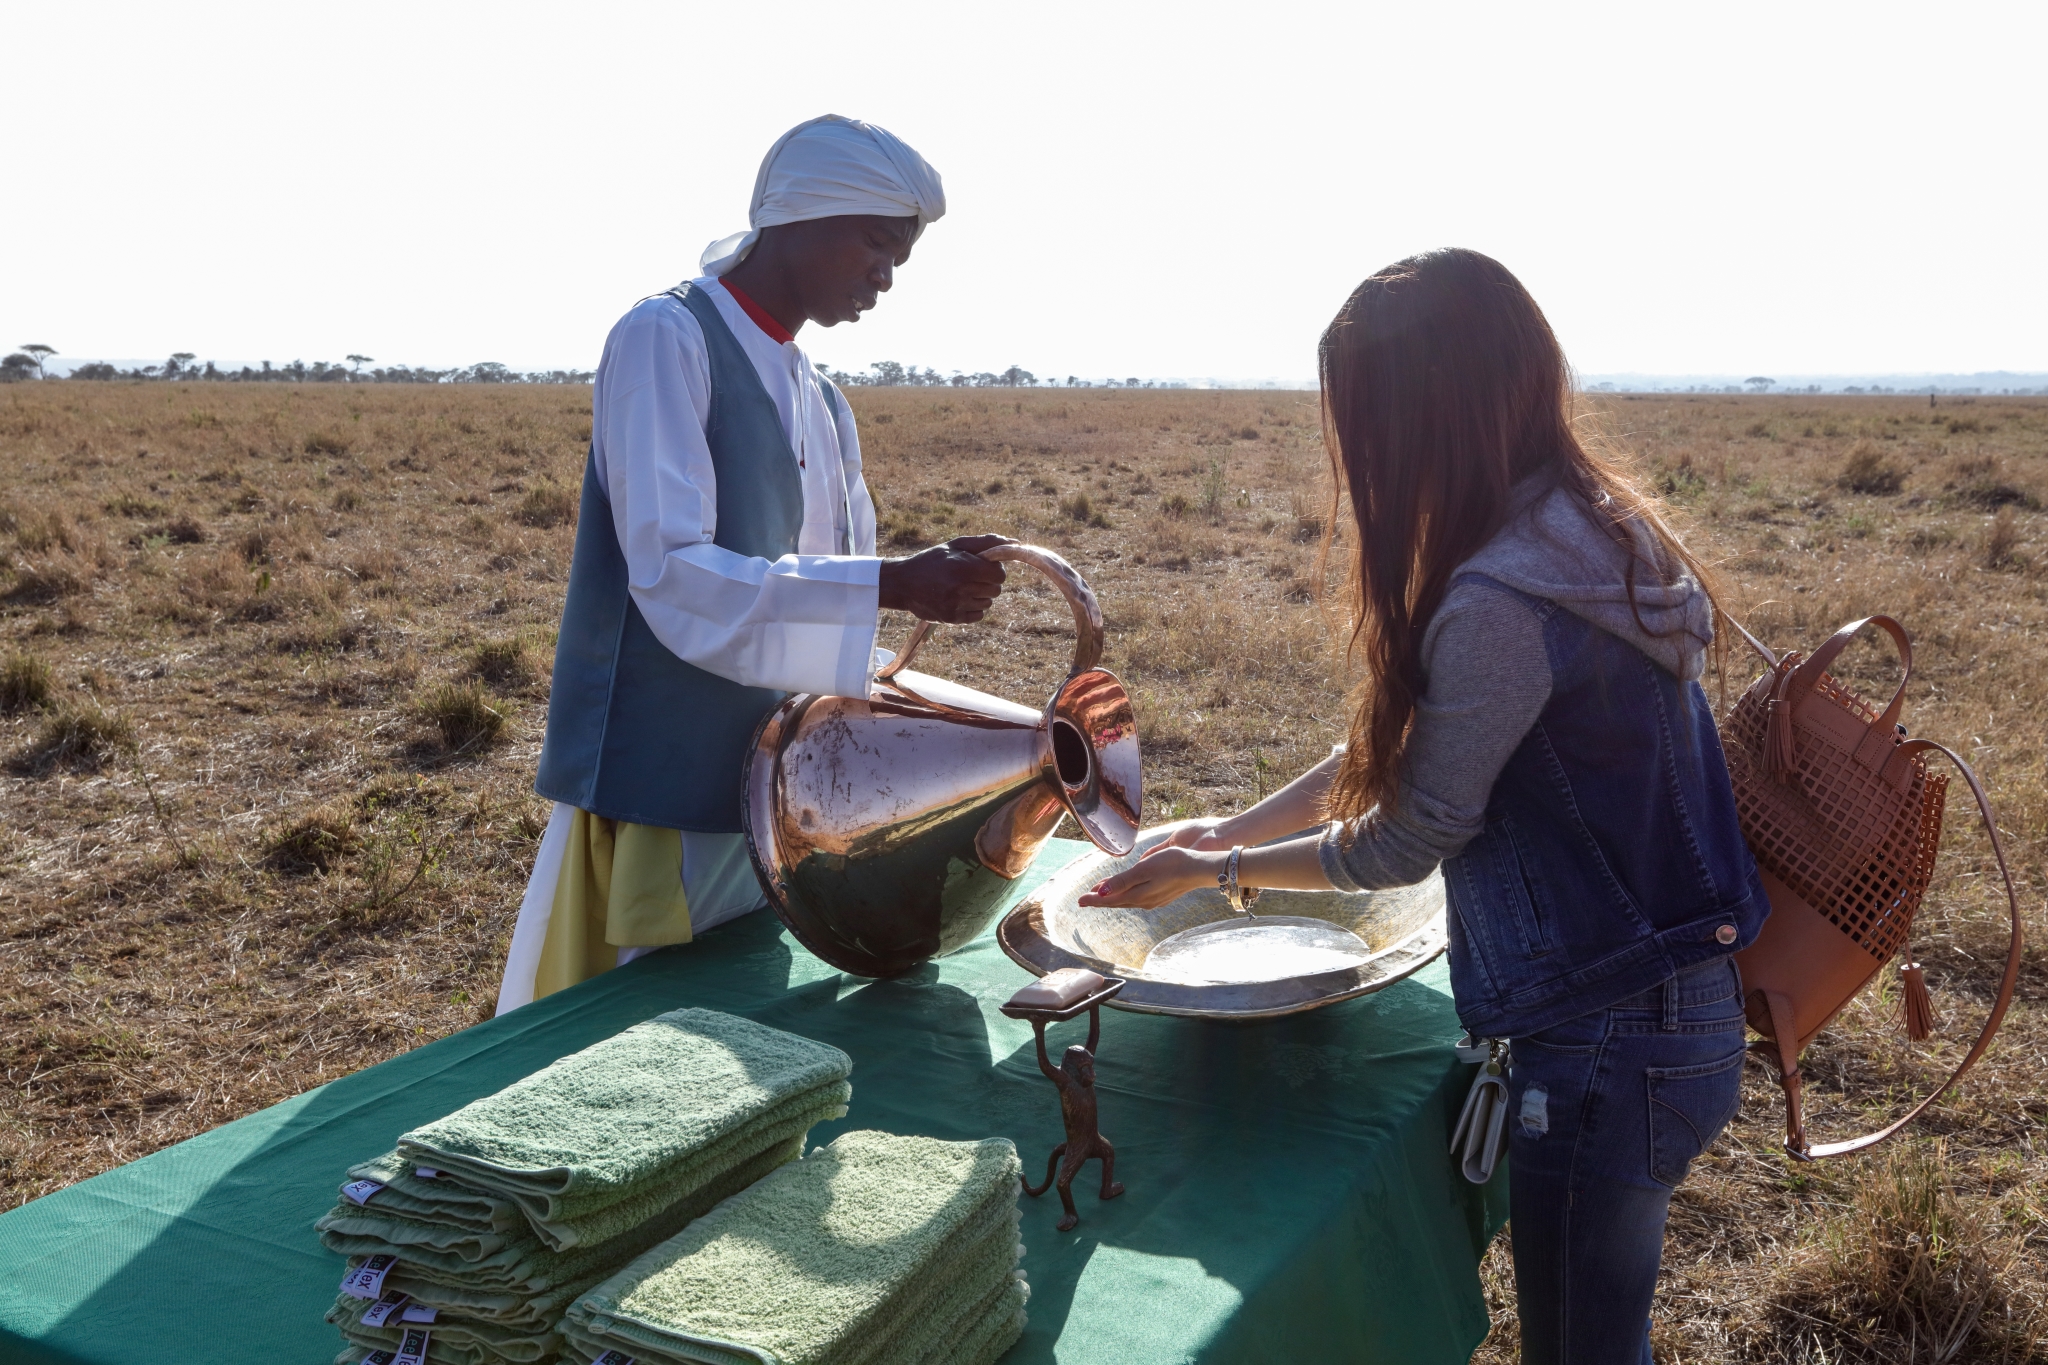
(1487, 673)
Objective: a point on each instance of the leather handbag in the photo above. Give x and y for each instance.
(1844, 817)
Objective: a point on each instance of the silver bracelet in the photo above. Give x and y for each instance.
(1239, 899)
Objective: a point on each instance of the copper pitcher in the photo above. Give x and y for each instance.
(888, 829)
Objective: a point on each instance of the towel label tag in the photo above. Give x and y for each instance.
(358, 1192)
(426, 1172)
(366, 1281)
(413, 1350)
(379, 1313)
(379, 1358)
(613, 1358)
(419, 1312)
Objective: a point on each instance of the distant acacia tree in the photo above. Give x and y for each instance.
(16, 367)
(178, 364)
(39, 353)
(358, 361)
(1758, 383)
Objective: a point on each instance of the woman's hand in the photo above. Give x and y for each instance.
(1201, 835)
(1162, 874)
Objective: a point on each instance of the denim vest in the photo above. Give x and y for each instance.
(634, 733)
(1611, 858)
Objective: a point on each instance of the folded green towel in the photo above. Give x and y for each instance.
(358, 1231)
(591, 1131)
(997, 1323)
(352, 1231)
(946, 1306)
(812, 1265)
(456, 1340)
(435, 1201)
(527, 1283)
(355, 1353)
(969, 1329)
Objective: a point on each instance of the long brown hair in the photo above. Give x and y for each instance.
(1443, 386)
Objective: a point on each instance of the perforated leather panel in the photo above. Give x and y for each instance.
(1854, 844)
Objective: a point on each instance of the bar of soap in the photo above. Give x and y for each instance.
(1057, 990)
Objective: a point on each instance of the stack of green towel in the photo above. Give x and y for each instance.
(876, 1250)
(482, 1227)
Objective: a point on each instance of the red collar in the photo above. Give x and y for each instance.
(775, 330)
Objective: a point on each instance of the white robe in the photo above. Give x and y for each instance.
(802, 623)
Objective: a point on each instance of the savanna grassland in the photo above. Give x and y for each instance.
(273, 668)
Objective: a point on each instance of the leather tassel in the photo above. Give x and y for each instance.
(1781, 760)
(1915, 1002)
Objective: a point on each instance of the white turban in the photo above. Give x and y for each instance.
(828, 167)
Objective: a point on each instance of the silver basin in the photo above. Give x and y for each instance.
(1302, 950)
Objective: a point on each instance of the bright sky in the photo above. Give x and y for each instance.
(1134, 189)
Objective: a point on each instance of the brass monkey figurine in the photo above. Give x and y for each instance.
(1063, 995)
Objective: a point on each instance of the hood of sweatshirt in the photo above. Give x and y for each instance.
(1551, 546)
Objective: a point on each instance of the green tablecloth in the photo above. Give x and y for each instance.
(1289, 1196)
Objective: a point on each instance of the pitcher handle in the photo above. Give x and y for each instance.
(1088, 633)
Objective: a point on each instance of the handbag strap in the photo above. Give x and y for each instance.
(1794, 684)
(2005, 987)
(1807, 676)
(1763, 650)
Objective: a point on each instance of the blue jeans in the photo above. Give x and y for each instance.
(1606, 1111)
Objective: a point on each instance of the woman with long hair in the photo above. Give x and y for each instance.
(1530, 719)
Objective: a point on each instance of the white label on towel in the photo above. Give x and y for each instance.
(413, 1350)
(613, 1358)
(358, 1192)
(379, 1358)
(366, 1281)
(379, 1313)
(418, 1312)
(426, 1172)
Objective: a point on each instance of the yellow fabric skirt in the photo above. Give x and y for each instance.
(621, 886)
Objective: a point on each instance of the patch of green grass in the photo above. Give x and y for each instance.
(77, 737)
(1868, 471)
(41, 584)
(505, 664)
(1080, 510)
(128, 505)
(315, 842)
(547, 504)
(1213, 491)
(465, 713)
(24, 684)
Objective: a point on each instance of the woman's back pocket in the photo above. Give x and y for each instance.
(1689, 1106)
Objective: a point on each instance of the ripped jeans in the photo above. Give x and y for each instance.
(1605, 1113)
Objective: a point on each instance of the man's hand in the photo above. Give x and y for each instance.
(950, 582)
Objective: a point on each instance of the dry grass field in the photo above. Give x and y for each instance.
(273, 665)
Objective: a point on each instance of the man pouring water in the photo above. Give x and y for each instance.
(725, 556)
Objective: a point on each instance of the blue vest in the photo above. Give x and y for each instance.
(1611, 858)
(634, 733)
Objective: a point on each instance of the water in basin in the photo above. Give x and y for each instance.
(1258, 948)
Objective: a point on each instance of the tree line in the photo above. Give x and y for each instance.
(895, 374)
(30, 362)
